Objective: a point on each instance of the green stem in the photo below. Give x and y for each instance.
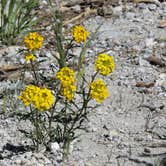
(37, 129)
(66, 149)
(65, 124)
(34, 73)
(50, 124)
(51, 119)
(57, 24)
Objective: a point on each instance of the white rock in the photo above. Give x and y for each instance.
(55, 147)
(152, 7)
(76, 8)
(117, 10)
(161, 81)
(130, 15)
(149, 42)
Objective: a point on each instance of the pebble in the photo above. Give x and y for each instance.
(130, 15)
(55, 147)
(142, 21)
(152, 7)
(142, 6)
(76, 8)
(161, 81)
(149, 42)
(117, 11)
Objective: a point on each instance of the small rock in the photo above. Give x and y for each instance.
(147, 150)
(152, 7)
(149, 42)
(142, 62)
(117, 11)
(161, 81)
(18, 161)
(149, 138)
(49, 55)
(130, 15)
(142, 6)
(77, 8)
(48, 28)
(44, 2)
(55, 147)
(138, 138)
(76, 51)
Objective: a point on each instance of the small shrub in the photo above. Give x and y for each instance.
(60, 106)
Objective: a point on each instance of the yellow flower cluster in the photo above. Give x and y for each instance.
(66, 76)
(34, 41)
(30, 57)
(80, 34)
(104, 64)
(98, 90)
(41, 98)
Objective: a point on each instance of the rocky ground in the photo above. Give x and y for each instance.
(129, 129)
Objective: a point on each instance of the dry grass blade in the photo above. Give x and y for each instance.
(87, 13)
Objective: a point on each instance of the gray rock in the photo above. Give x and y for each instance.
(161, 81)
(76, 8)
(142, 6)
(152, 7)
(130, 15)
(117, 11)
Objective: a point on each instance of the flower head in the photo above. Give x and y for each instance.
(40, 98)
(80, 34)
(30, 57)
(28, 94)
(44, 99)
(98, 90)
(33, 41)
(68, 92)
(104, 64)
(67, 78)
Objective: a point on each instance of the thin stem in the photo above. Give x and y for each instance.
(51, 118)
(34, 72)
(37, 129)
(65, 124)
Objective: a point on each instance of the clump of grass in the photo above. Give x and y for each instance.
(16, 19)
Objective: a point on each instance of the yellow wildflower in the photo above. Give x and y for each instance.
(80, 34)
(43, 100)
(28, 94)
(30, 57)
(40, 98)
(66, 76)
(34, 41)
(98, 90)
(104, 64)
(68, 92)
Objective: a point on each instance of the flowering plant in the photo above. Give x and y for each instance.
(61, 105)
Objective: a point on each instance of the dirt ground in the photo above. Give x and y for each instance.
(129, 128)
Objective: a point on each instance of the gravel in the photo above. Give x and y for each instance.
(131, 121)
